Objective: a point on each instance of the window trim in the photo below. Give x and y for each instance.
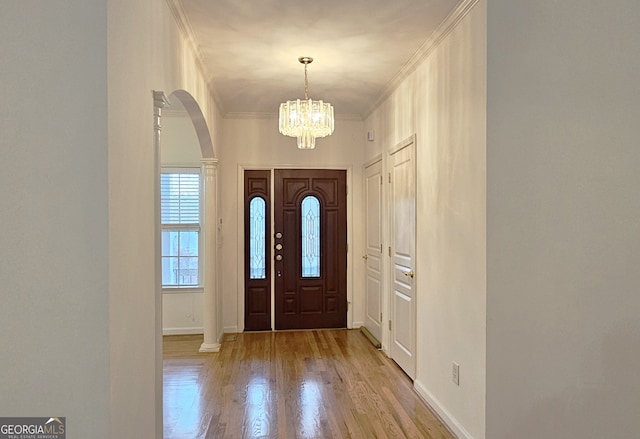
(198, 227)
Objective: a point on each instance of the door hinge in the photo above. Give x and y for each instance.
(381, 180)
(348, 305)
(380, 248)
(389, 325)
(389, 251)
(380, 317)
(389, 177)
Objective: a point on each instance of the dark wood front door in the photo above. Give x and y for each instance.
(310, 218)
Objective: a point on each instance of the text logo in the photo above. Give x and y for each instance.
(33, 428)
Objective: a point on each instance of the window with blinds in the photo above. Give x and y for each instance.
(180, 195)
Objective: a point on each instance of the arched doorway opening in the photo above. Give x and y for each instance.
(187, 209)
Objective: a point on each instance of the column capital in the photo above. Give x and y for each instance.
(210, 163)
(210, 169)
(160, 99)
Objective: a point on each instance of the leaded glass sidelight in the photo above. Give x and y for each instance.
(310, 237)
(257, 255)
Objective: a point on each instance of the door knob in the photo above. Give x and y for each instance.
(408, 274)
(365, 257)
(278, 257)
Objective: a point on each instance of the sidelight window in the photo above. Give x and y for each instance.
(257, 253)
(310, 237)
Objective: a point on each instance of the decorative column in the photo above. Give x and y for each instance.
(209, 251)
(160, 101)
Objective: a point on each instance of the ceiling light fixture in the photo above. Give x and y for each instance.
(306, 119)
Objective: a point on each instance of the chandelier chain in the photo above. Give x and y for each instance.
(306, 83)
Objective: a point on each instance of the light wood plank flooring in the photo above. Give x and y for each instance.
(298, 384)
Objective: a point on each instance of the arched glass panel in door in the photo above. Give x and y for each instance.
(310, 236)
(257, 256)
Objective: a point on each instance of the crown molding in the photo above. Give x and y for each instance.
(250, 115)
(423, 52)
(347, 116)
(186, 30)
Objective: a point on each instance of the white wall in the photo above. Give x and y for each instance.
(145, 52)
(179, 144)
(563, 332)
(182, 312)
(54, 278)
(443, 103)
(256, 142)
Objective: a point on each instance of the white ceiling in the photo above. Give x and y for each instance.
(250, 48)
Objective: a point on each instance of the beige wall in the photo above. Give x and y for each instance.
(443, 103)
(256, 142)
(563, 332)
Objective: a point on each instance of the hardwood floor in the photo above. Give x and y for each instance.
(302, 384)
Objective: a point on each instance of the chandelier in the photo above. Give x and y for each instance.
(306, 119)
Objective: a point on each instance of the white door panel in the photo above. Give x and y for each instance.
(402, 202)
(403, 339)
(374, 308)
(373, 249)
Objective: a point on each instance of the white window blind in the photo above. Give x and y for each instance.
(180, 198)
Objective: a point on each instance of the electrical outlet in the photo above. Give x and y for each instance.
(455, 373)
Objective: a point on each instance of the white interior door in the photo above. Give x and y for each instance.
(373, 249)
(402, 202)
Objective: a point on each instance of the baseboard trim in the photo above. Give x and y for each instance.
(374, 341)
(446, 417)
(182, 331)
